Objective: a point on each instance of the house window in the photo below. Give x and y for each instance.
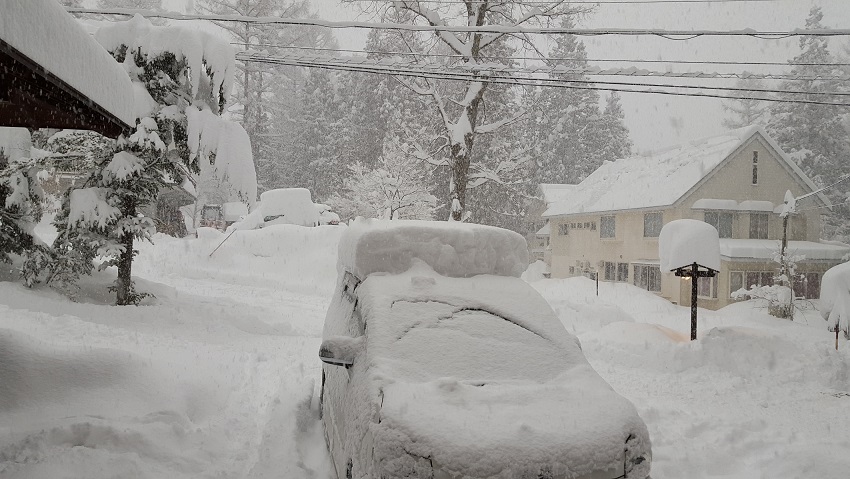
(807, 286)
(736, 281)
(623, 272)
(755, 167)
(722, 221)
(758, 278)
(758, 225)
(607, 227)
(592, 226)
(707, 287)
(652, 223)
(572, 270)
(647, 277)
(563, 229)
(610, 271)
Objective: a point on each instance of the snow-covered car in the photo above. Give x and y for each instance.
(326, 216)
(291, 206)
(441, 363)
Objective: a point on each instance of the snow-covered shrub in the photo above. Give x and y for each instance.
(778, 296)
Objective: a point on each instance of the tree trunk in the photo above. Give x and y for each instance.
(461, 156)
(124, 282)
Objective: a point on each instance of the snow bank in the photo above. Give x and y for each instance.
(451, 249)
(198, 48)
(45, 33)
(684, 242)
(835, 297)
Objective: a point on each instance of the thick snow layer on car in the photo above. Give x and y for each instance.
(234, 210)
(45, 33)
(835, 296)
(684, 242)
(288, 206)
(451, 249)
(478, 375)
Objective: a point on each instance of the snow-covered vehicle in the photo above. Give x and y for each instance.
(441, 363)
(291, 206)
(326, 216)
(212, 217)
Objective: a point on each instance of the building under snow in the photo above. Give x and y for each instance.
(609, 223)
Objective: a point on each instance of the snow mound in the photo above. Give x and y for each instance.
(835, 296)
(451, 249)
(684, 242)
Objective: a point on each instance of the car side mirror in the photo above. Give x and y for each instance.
(340, 350)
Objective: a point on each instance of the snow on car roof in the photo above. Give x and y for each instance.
(485, 398)
(451, 249)
(46, 34)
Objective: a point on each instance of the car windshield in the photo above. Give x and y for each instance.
(467, 344)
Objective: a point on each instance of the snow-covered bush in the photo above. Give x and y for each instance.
(396, 188)
(779, 296)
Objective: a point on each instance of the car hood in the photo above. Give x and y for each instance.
(575, 424)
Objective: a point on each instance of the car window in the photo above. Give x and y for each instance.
(468, 344)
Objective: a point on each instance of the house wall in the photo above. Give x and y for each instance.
(733, 180)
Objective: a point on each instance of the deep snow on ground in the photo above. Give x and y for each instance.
(217, 376)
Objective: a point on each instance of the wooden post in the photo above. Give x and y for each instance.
(836, 337)
(694, 279)
(596, 275)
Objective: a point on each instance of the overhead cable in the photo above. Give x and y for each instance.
(520, 58)
(492, 29)
(458, 76)
(562, 74)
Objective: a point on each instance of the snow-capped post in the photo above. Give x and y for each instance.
(835, 299)
(691, 249)
(788, 208)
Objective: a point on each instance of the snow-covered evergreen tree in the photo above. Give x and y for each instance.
(183, 78)
(814, 135)
(751, 110)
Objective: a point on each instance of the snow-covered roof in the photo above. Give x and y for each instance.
(555, 192)
(662, 178)
(766, 249)
(451, 249)
(545, 230)
(42, 31)
(719, 204)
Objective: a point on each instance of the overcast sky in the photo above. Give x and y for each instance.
(657, 121)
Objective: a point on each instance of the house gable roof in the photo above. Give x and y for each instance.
(663, 178)
(56, 75)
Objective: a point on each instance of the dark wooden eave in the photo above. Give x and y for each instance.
(32, 97)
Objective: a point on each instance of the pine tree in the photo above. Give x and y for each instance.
(812, 134)
(748, 111)
(104, 216)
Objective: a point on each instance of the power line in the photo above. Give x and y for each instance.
(590, 71)
(585, 2)
(491, 29)
(377, 69)
(484, 71)
(520, 58)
